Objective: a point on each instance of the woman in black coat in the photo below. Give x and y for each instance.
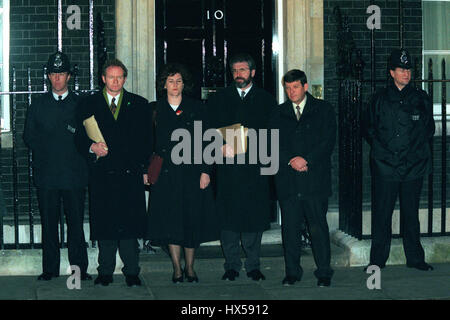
(182, 212)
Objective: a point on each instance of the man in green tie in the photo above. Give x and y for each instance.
(117, 172)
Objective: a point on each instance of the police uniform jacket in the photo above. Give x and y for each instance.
(116, 187)
(49, 132)
(398, 125)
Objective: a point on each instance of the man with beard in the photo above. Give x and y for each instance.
(399, 124)
(243, 197)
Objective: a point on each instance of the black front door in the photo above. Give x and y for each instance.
(204, 34)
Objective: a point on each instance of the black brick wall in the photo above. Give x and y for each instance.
(33, 37)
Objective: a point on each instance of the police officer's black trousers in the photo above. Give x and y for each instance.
(295, 213)
(128, 252)
(50, 209)
(383, 202)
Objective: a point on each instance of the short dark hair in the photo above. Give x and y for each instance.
(295, 75)
(114, 63)
(172, 69)
(243, 57)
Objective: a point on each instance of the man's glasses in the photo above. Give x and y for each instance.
(241, 70)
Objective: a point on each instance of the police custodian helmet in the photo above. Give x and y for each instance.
(400, 58)
(58, 63)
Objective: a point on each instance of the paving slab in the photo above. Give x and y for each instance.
(57, 289)
(18, 288)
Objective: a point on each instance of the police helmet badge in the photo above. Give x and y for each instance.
(58, 61)
(404, 57)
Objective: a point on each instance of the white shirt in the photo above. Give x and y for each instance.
(110, 97)
(64, 95)
(246, 90)
(174, 107)
(301, 105)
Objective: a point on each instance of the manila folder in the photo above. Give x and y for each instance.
(92, 129)
(236, 136)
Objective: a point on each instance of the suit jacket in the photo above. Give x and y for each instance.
(313, 138)
(116, 188)
(243, 194)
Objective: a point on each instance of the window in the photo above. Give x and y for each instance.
(4, 64)
(436, 45)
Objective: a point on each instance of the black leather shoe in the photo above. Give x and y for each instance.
(179, 279)
(256, 275)
(421, 266)
(323, 282)
(133, 281)
(189, 278)
(289, 280)
(47, 276)
(230, 275)
(103, 280)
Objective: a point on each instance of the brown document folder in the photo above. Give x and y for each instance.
(236, 136)
(92, 129)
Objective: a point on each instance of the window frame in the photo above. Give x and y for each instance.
(5, 123)
(437, 106)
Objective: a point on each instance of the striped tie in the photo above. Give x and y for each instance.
(113, 106)
(299, 113)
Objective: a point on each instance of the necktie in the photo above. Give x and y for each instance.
(242, 94)
(113, 106)
(298, 114)
(59, 98)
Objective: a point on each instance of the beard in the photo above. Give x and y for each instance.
(245, 81)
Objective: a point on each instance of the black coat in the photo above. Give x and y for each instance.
(49, 132)
(116, 187)
(180, 212)
(243, 194)
(398, 125)
(313, 138)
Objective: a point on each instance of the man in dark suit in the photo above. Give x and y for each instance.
(60, 173)
(398, 126)
(117, 167)
(243, 194)
(307, 138)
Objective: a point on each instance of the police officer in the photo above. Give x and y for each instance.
(60, 172)
(399, 124)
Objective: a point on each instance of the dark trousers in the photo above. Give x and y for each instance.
(295, 212)
(384, 197)
(128, 252)
(50, 209)
(251, 242)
